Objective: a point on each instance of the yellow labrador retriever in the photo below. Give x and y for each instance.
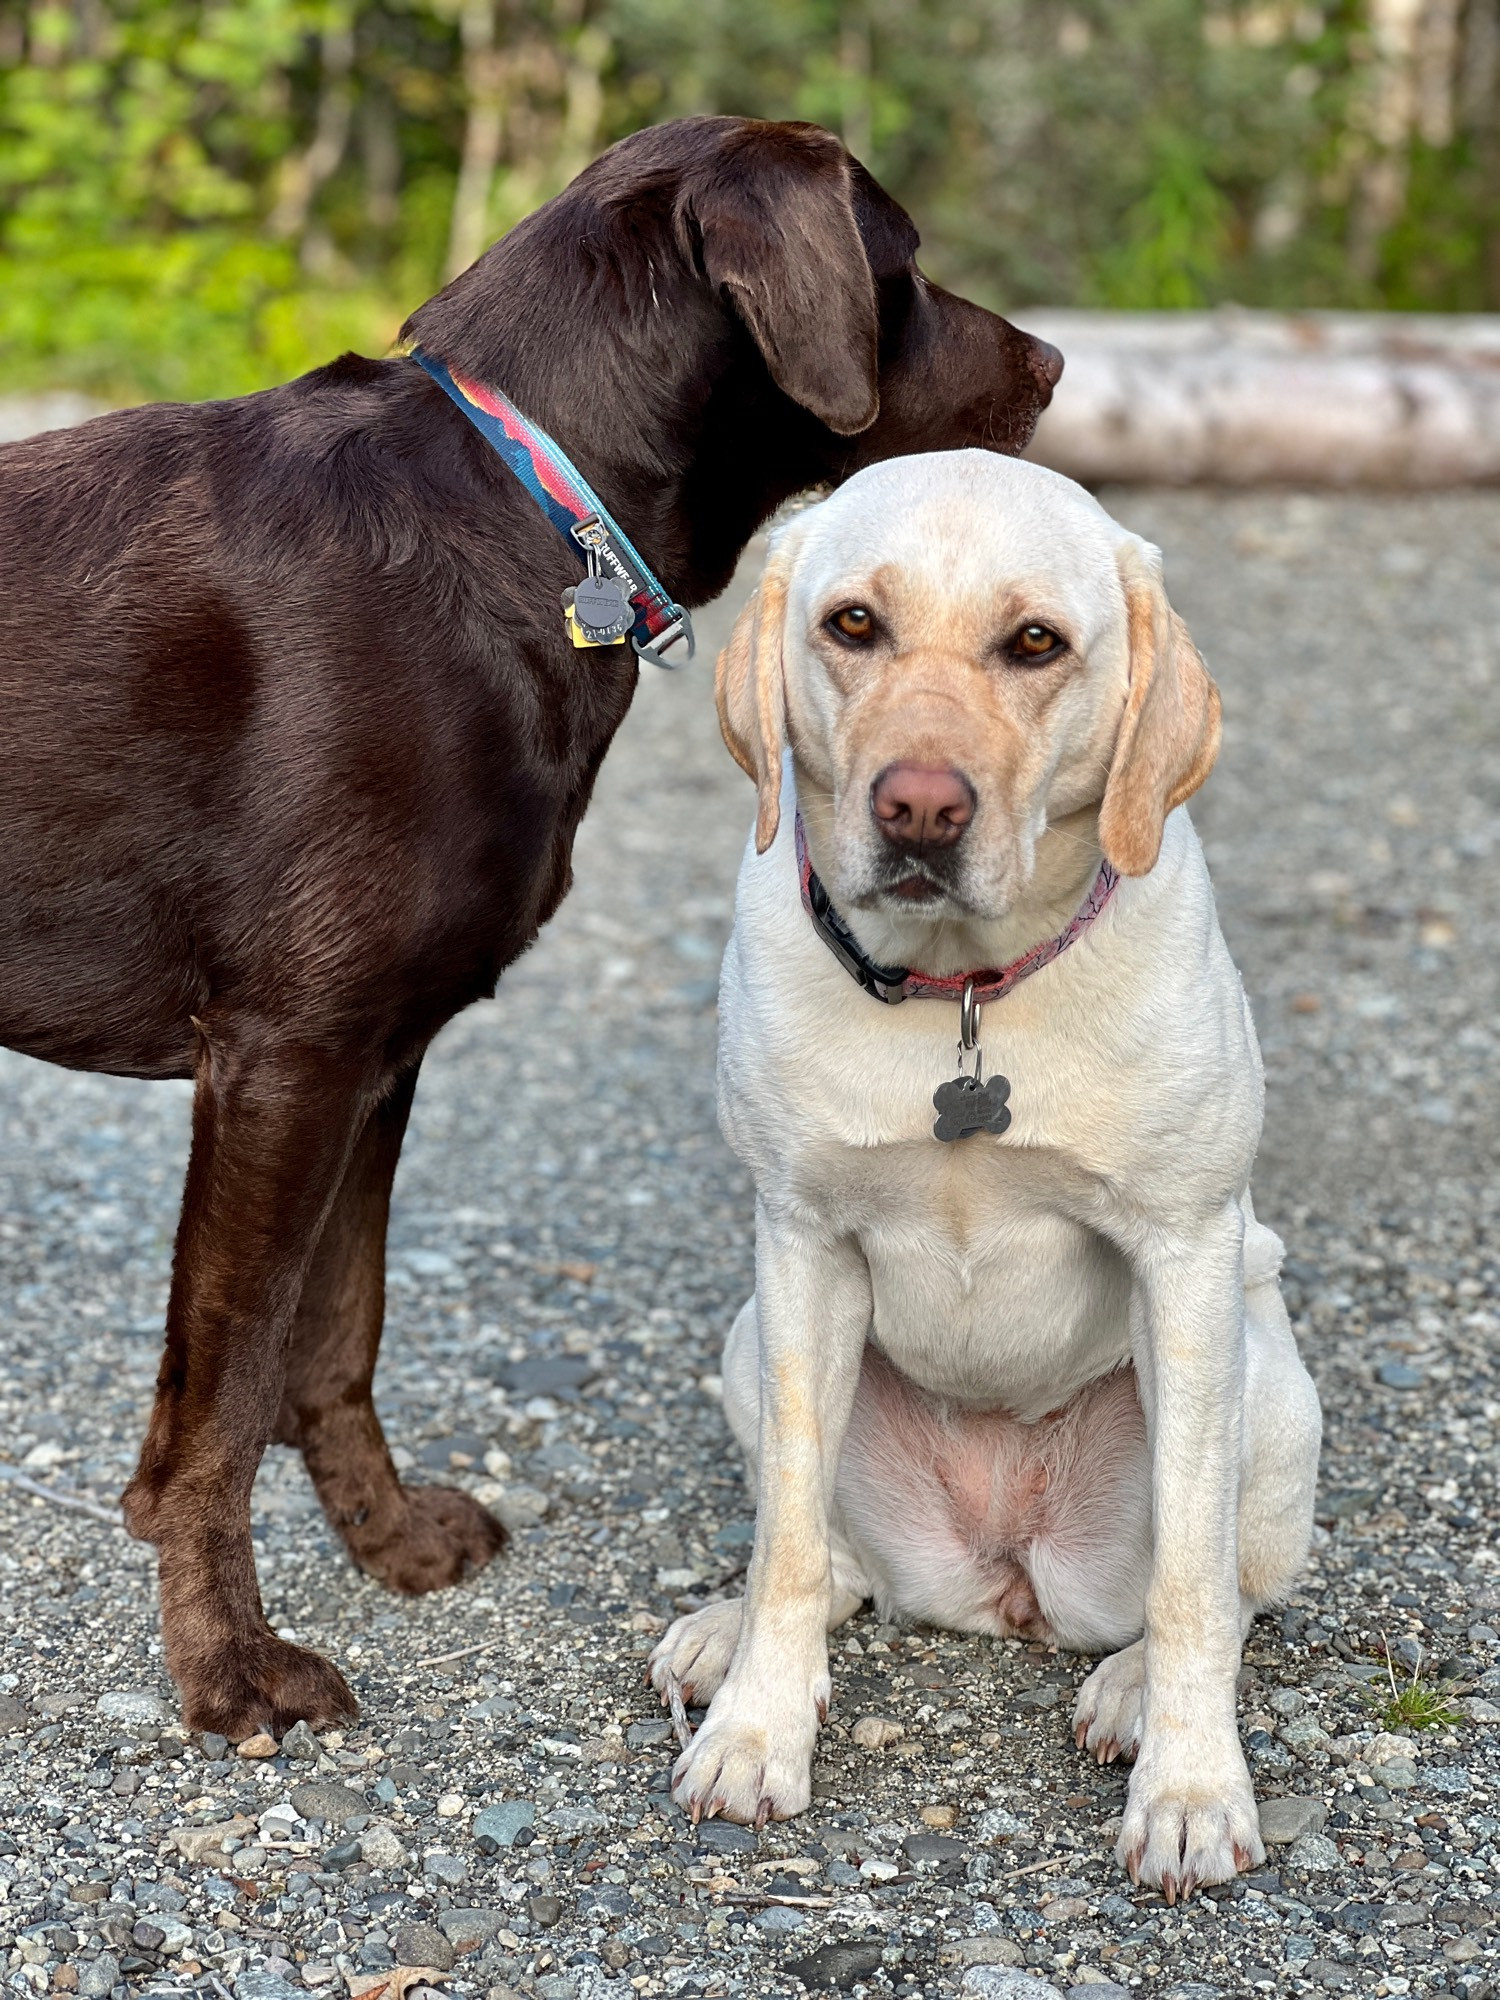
(1017, 1359)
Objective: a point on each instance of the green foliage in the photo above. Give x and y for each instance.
(201, 196)
(1416, 1706)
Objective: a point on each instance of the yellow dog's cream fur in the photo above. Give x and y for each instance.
(1042, 1381)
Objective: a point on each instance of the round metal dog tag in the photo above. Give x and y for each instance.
(602, 609)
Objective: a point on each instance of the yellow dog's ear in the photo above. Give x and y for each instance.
(750, 690)
(1169, 732)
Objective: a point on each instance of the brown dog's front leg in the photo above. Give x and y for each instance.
(272, 1132)
(413, 1538)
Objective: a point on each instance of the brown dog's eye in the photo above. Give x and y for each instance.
(1035, 642)
(853, 622)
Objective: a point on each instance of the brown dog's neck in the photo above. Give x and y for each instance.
(1067, 860)
(640, 373)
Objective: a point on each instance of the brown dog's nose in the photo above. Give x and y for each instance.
(1046, 362)
(919, 805)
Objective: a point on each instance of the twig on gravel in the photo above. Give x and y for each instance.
(59, 1496)
(679, 1713)
(1037, 1867)
(750, 1897)
(461, 1653)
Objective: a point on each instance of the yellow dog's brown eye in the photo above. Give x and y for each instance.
(1035, 642)
(854, 622)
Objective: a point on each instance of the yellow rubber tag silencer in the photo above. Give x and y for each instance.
(580, 637)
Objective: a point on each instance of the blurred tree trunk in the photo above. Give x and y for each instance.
(304, 173)
(484, 92)
(1479, 119)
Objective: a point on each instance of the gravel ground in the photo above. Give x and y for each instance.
(570, 1242)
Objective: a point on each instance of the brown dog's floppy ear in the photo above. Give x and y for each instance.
(776, 216)
(750, 691)
(1169, 733)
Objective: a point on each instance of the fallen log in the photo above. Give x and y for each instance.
(1242, 398)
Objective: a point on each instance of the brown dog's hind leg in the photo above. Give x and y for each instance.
(413, 1538)
(272, 1131)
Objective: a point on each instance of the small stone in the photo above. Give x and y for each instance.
(521, 1507)
(998, 1824)
(269, 1984)
(878, 1869)
(544, 1910)
(301, 1745)
(498, 1825)
(450, 1805)
(205, 1844)
(837, 1966)
(932, 1849)
(1287, 1702)
(1398, 1375)
(1285, 1820)
(134, 1705)
(423, 1944)
(1385, 1746)
(214, 1746)
(471, 1930)
(779, 1918)
(449, 1869)
(381, 1846)
(722, 1836)
(332, 1803)
(1005, 1982)
(645, 1735)
(1313, 1854)
(876, 1732)
(990, 1949)
(940, 1818)
(1093, 1985)
(65, 1979)
(99, 1977)
(258, 1746)
(13, 1715)
(1397, 1774)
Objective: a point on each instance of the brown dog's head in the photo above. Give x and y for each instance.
(962, 652)
(720, 312)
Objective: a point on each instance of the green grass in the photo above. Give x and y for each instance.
(1414, 1707)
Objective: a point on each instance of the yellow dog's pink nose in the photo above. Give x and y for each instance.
(919, 805)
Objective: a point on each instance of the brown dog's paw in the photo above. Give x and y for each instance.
(433, 1538)
(267, 1685)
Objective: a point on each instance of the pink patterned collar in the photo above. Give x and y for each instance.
(893, 984)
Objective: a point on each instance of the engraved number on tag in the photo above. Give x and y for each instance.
(602, 609)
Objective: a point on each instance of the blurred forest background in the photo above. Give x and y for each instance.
(199, 197)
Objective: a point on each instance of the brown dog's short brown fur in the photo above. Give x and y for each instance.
(295, 750)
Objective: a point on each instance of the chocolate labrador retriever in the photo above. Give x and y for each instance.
(296, 748)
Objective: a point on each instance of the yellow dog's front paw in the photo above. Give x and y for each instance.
(745, 1770)
(1186, 1828)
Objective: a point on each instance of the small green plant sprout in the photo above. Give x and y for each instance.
(1415, 1706)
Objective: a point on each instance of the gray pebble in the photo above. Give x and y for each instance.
(300, 1745)
(498, 1825)
(1313, 1854)
(333, 1803)
(134, 1705)
(423, 1944)
(449, 1869)
(1399, 1375)
(1005, 1982)
(779, 1918)
(99, 1977)
(1285, 1821)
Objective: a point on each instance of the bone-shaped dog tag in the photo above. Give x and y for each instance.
(965, 1106)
